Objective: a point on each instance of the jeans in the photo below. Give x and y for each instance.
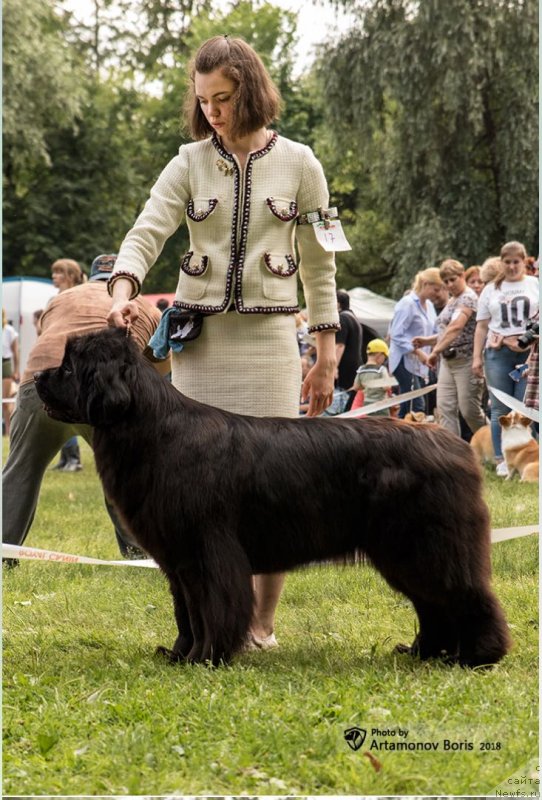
(407, 381)
(497, 364)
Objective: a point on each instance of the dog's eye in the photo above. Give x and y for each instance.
(66, 369)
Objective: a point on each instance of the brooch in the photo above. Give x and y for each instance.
(223, 167)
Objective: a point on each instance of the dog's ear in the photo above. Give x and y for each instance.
(108, 395)
(525, 421)
(504, 421)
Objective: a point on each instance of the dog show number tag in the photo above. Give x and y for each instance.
(331, 236)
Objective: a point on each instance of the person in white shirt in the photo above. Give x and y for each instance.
(504, 309)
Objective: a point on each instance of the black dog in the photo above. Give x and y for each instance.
(215, 497)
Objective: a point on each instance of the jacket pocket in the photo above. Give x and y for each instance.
(279, 278)
(285, 210)
(200, 208)
(194, 277)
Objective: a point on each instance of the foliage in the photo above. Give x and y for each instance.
(88, 711)
(441, 106)
(84, 197)
(41, 86)
(82, 201)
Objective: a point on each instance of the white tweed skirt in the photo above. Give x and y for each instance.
(246, 363)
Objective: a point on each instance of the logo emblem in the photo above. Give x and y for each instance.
(355, 737)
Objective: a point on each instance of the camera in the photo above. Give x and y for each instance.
(529, 336)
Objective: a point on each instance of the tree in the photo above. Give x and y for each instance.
(42, 86)
(441, 106)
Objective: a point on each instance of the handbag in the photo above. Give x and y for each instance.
(184, 326)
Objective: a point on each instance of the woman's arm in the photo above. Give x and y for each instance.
(480, 336)
(451, 332)
(318, 384)
(422, 341)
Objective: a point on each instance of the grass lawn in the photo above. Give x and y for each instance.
(88, 710)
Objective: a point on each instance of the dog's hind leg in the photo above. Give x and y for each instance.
(483, 632)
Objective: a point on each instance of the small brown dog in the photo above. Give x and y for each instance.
(520, 450)
(482, 445)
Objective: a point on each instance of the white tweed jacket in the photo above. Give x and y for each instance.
(246, 248)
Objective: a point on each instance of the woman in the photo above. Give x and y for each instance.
(458, 390)
(246, 193)
(66, 273)
(10, 368)
(505, 307)
(413, 316)
(473, 279)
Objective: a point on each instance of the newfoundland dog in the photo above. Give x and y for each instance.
(215, 497)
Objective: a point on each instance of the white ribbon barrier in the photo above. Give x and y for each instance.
(35, 554)
(394, 400)
(516, 405)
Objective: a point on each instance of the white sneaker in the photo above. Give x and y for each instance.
(502, 470)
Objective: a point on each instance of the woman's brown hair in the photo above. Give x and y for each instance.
(450, 268)
(70, 269)
(510, 249)
(256, 100)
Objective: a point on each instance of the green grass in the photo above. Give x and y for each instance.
(87, 709)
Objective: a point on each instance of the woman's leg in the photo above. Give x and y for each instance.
(447, 399)
(469, 392)
(267, 590)
(407, 381)
(498, 365)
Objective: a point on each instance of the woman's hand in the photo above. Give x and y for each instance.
(422, 356)
(123, 314)
(124, 311)
(421, 341)
(478, 366)
(318, 387)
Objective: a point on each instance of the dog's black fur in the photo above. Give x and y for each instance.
(214, 497)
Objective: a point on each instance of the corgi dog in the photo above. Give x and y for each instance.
(482, 444)
(520, 450)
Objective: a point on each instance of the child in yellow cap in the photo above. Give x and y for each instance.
(373, 380)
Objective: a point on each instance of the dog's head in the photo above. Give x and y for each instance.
(514, 420)
(92, 385)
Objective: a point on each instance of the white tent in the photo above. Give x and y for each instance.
(21, 296)
(373, 310)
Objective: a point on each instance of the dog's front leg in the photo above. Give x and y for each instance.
(185, 640)
(219, 599)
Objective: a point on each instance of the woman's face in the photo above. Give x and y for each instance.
(455, 284)
(476, 284)
(215, 95)
(429, 291)
(61, 281)
(514, 267)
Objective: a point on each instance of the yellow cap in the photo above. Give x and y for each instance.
(378, 346)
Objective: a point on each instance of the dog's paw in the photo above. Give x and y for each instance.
(169, 655)
(405, 649)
